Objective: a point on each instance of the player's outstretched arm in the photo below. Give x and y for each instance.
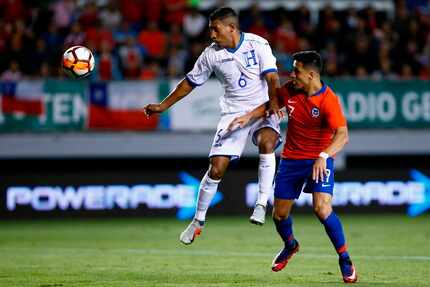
(340, 138)
(181, 90)
(242, 121)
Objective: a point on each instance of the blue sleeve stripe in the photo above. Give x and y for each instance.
(192, 84)
(268, 71)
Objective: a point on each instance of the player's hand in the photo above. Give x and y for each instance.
(239, 122)
(274, 109)
(319, 170)
(151, 109)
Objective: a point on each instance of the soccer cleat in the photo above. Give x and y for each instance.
(193, 229)
(349, 274)
(259, 215)
(281, 259)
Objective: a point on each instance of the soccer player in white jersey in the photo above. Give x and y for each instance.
(246, 68)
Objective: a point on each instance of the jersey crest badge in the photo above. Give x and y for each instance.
(315, 112)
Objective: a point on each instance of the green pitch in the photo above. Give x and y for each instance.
(388, 250)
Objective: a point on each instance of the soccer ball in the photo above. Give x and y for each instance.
(78, 62)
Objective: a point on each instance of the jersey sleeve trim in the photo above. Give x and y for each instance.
(268, 71)
(192, 83)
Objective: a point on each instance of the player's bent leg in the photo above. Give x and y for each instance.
(323, 209)
(207, 190)
(267, 140)
(209, 184)
(284, 227)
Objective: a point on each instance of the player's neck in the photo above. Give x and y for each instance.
(236, 40)
(314, 88)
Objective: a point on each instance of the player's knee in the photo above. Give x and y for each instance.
(216, 172)
(267, 140)
(322, 210)
(266, 147)
(279, 215)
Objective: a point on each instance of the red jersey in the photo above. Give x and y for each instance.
(312, 121)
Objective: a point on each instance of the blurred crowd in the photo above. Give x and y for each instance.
(148, 39)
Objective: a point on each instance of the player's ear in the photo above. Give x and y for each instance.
(315, 74)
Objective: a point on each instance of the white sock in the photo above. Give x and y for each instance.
(207, 190)
(266, 173)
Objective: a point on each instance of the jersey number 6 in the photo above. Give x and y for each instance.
(242, 81)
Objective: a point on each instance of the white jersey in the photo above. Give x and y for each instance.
(241, 72)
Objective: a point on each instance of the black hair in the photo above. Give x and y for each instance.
(309, 59)
(222, 13)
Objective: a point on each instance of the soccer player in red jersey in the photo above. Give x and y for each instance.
(317, 130)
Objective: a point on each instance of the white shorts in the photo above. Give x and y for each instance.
(232, 144)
